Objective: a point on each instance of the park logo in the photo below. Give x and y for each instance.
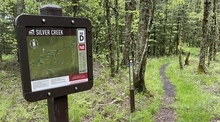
(31, 32)
(33, 43)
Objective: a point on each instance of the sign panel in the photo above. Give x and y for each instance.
(55, 58)
(59, 56)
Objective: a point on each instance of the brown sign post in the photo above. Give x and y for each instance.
(57, 104)
(55, 54)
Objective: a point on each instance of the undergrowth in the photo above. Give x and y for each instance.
(108, 100)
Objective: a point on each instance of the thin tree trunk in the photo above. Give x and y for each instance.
(163, 50)
(121, 39)
(109, 38)
(171, 44)
(180, 30)
(211, 49)
(129, 7)
(117, 35)
(154, 45)
(213, 34)
(187, 59)
(204, 41)
(1, 60)
(216, 37)
(75, 7)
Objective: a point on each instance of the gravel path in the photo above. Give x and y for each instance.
(165, 113)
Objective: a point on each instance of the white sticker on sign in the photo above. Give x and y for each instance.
(81, 35)
(82, 61)
(44, 84)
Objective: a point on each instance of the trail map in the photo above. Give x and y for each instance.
(55, 57)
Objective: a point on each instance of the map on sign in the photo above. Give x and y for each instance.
(57, 57)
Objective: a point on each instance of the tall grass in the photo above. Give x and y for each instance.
(193, 102)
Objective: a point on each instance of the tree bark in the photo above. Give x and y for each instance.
(129, 7)
(204, 40)
(212, 36)
(180, 31)
(187, 59)
(75, 7)
(163, 48)
(117, 35)
(145, 18)
(216, 29)
(1, 60)
(109, 38)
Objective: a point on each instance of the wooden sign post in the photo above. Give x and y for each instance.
(57, 106)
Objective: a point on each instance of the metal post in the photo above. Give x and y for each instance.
(131, 83)
(58, 106)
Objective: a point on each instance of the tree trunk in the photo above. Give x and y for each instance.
(117, 35)
(204, 41)
(129, 7)
(211, 50)
(163, 49)
(187, 59)
(109, 38)
(170, 43)
(213, 34)
(180, 31)
(216, 32)
(75, 7)
(141, 44)
(154, 45)
(1, 60)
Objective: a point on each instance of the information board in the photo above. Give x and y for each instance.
(55, 55)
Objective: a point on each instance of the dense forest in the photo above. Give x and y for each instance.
(124, 29)
(174, 45)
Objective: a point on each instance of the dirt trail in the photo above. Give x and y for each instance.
(165, 113)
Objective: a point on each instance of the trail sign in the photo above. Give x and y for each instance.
(55, 55)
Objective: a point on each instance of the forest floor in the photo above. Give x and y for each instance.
(166, 114)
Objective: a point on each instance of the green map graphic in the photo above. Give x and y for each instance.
(52, 56)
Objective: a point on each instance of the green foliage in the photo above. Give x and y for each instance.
(166, 26)
(175, 3)
(166, 17)
(79, 108)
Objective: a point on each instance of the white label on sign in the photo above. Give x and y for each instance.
(81, 35)
(43, 84)
(82, 61)
(82, 55)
